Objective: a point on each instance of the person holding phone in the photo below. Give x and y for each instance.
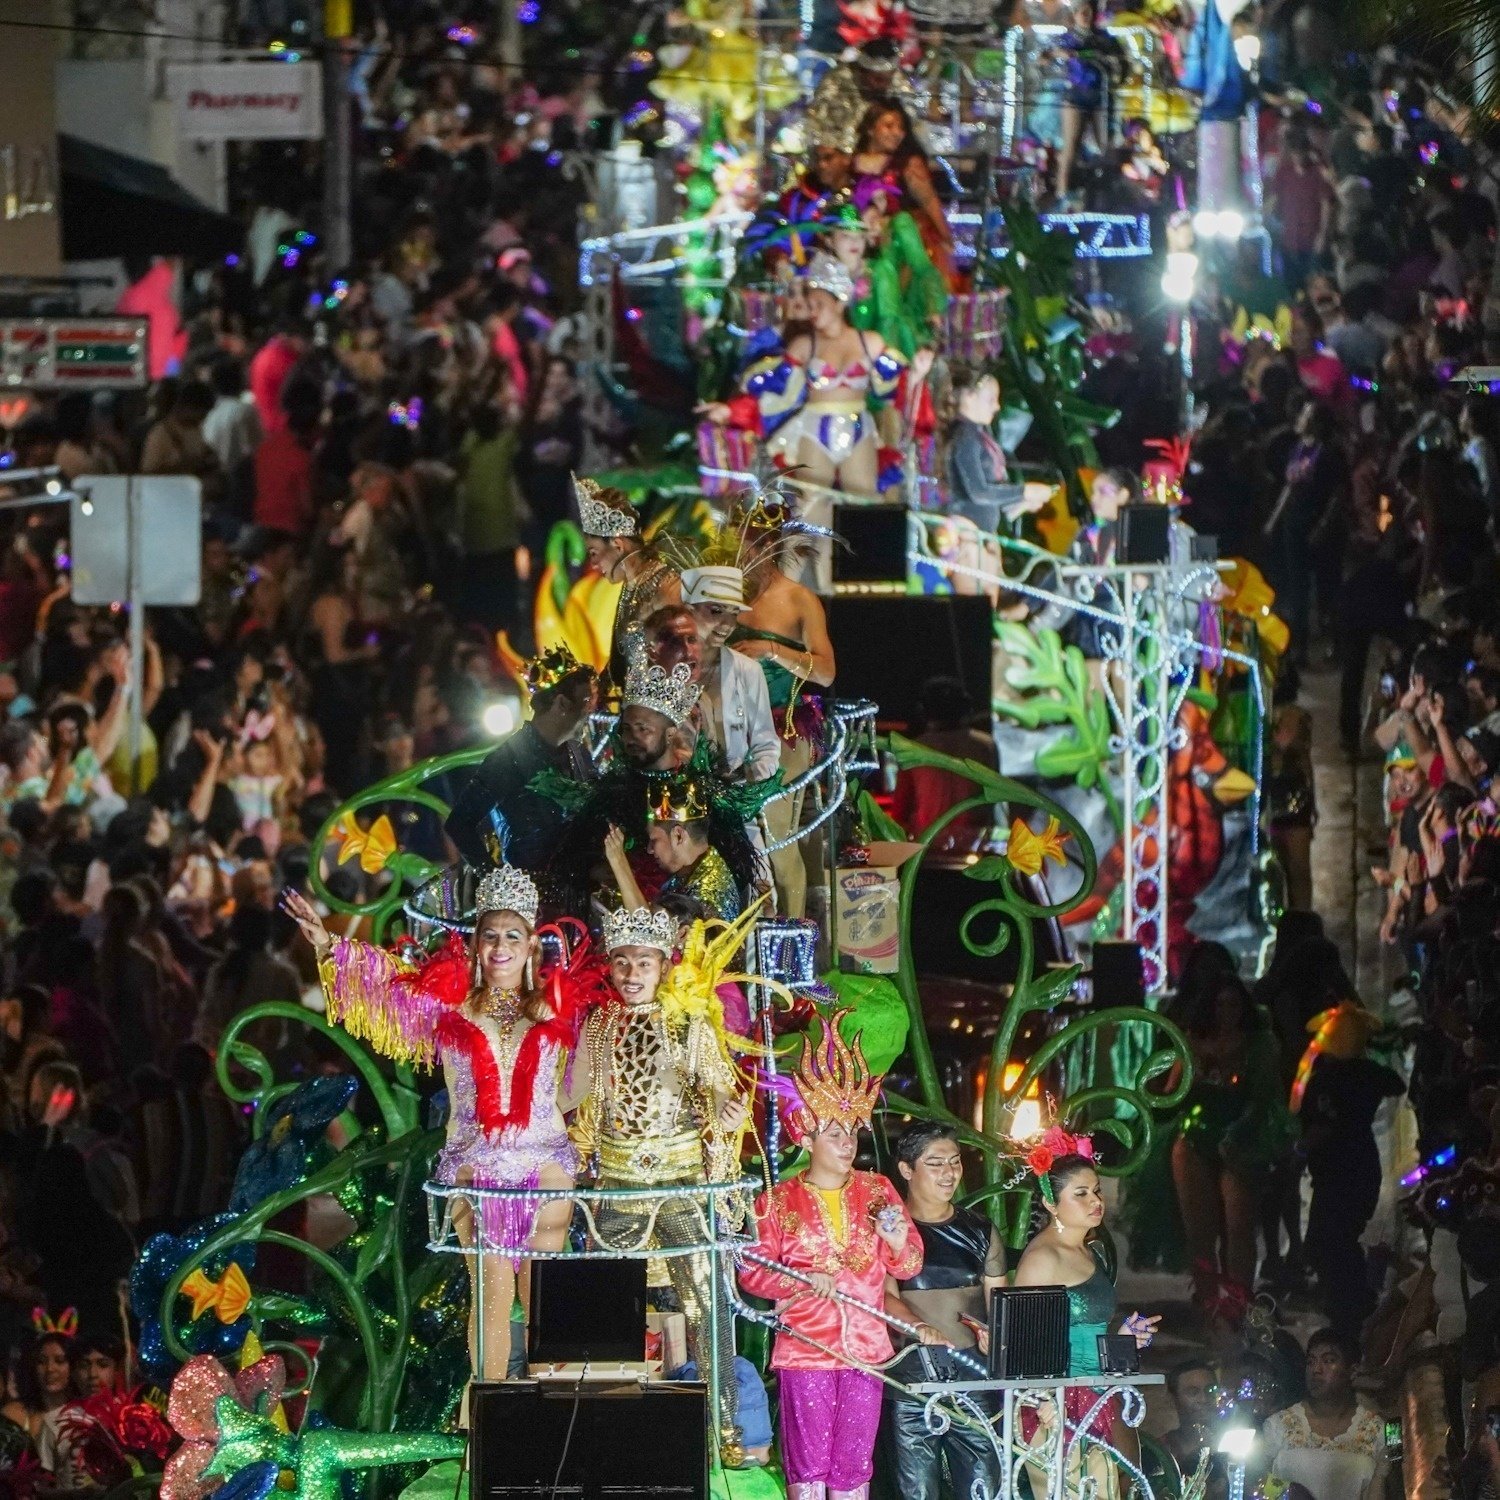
(963, 1261)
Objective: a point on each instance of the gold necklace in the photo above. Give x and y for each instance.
(501, 1006)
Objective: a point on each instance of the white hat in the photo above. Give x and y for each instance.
(714, 586)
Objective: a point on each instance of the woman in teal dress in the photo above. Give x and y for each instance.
(1065, 1252)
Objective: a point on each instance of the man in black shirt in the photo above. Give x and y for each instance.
(505, 813)
(963, 1262)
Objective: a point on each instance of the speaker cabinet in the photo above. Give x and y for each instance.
(875, 544)
(1119, 975)
(1029, 1333)
(1145, 534)
(888, 646)
(585, 1310)
(589, 1440)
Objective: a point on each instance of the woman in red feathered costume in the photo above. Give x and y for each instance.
(504, 1041)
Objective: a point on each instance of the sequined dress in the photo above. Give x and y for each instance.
(505, 1123)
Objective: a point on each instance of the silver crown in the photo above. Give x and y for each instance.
(643, 927)
(672, 694)
(507, 889)
(826, 274)
(597, 517)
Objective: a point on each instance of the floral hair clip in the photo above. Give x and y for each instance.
(1043, 1151)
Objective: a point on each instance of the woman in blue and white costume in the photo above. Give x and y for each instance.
(814, 401)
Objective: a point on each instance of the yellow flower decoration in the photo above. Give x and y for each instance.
(373, 846)
(1027, 851)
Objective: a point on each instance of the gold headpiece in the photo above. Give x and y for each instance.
(834, 1084)
(672, 694)
(832, 118)
(679, 799)
(603, 511)
(507, 889)
(545, 670)
(641, 927)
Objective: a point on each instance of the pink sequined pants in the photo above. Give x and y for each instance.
(828, 1423)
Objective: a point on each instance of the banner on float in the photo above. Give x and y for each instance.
(247, 101)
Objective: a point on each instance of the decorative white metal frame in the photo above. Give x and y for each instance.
(1148, 661)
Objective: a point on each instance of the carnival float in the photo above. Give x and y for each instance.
(875, 350)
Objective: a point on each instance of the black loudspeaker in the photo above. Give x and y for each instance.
(583, 1440)
(888, 646)
(1119, 975)
(1029, 1333)
(1119, 1354)
(1145, 534)
(587, 1310)
(874, 546)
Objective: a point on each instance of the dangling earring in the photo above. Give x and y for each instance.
(530, 972)
(1057, 1223)
(476, 973)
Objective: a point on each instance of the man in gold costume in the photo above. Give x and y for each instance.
(666, 1107)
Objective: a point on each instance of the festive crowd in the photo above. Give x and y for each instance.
(384, 448)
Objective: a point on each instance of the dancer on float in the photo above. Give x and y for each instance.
(502, 1033)
(651, 753)
(811, 401)
(612, 538)
(664, 1105)
(898, 292)
(888, 149)
(500, 814)
(1064, 1252)
(845, 1232)
(785, 629)
(963, 1262)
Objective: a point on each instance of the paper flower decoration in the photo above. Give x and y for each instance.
(1027, 851)
(372, 846)
(114, 1436)
(294, 1125)
(202, 1396)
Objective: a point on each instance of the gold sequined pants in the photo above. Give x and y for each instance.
(661, 1224)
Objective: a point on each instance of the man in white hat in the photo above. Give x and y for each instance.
(735, 706)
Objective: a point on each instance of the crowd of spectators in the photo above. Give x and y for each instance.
(384, 447)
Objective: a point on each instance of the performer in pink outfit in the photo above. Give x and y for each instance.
(845, 1231)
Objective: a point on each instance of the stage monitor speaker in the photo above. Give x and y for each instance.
(1119, 975)
(874, 546)
(1145, 534)
(890, 645)
(589, 1440)
(587, 1310)
(1029, 1333)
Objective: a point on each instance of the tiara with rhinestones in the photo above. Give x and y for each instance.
(641, 927)
(672, 694)
(603, 511)
(507, 889)
(826, 274)
(679, 799)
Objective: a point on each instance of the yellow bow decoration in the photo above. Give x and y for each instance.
(374, 846)
(1028, 851)
(228, 1297)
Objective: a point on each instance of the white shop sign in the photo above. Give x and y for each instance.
(247, 101)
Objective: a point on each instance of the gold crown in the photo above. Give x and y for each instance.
(550, 667)
(834, 1083)
(672, 694)
(679, 799)
(642, 927)
(507, 889)
(603, 511)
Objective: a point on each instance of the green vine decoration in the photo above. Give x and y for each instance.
(1123, 1110)
(406, 869)
(1055, 680)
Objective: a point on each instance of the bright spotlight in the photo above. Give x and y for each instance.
(86, 506)
(1247, 50)
(1231, 224)
(1206, 224)
(1181, 276)
(499, 719)
(1236, 1443)
(54, 486)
